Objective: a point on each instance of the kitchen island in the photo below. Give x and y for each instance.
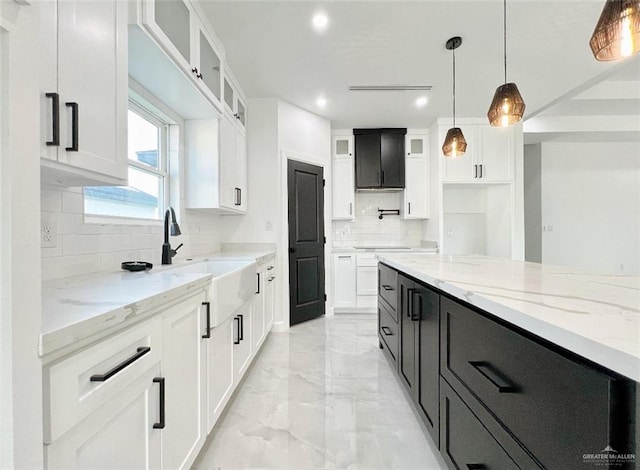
(513, 364)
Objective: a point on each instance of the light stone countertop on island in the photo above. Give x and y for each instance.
(593, 315)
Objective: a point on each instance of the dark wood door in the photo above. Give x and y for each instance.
(306, 241)
(407, 334)
(367, 149)
(427, 303)
(392, 160)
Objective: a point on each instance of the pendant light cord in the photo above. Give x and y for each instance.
(453, 50)
(505, 39)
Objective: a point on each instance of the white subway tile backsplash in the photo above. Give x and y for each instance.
(84, 248)
(368, 230)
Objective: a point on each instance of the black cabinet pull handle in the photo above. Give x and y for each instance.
(74, 126)
(237, 341)
(241, 334)
(480, 171)
(238, 196)
(496, 378)
(141, 351)
(410, 302)
(207, 335)
(55, 119)
(386, 331)
(195, 70)
(476, 466)
(412, 296)
(387, 287)
(199, 76)
(271, 278)
(409, 208)
(269, 268)
(160, 381)
(258, 291)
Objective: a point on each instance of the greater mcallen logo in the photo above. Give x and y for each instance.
(609, 457)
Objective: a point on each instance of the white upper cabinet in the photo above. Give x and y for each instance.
(489, 157)
(416, 186)
(176, 27)
(342, 191)
(83, 82)
(342, 146)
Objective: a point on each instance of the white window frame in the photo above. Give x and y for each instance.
(162, 171)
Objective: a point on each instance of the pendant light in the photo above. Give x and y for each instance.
(617, 32)
(454, 143)
(507, 106)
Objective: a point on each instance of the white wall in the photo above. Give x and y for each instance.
(591, 199)
(533, 203)
(20, 320)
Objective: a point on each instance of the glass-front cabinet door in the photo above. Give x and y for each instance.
(343, 146)
(209, 64)
(229, 95)
(170, 21)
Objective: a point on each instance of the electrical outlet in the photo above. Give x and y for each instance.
(48, 234)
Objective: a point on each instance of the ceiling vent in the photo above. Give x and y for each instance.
(389, 87)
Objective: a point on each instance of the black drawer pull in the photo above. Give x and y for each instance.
(476, 466)
(141, 351)
(241, 334)
(493, 376)
(386, 330)
(160, 380)
(387, 287)
(208, 333)
(269, 268)
(258, 291)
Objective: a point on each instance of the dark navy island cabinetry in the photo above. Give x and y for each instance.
(494, 396)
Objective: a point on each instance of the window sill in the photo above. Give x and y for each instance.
(113, 220)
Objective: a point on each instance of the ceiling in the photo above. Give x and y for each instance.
(274, 52)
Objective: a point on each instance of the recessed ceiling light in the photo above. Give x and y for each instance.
(320, 21)
(420, 102)
(321, 102)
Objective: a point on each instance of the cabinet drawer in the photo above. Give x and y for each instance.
(388, 330)
(465, 442)
(366, 259)
(534, 392)
(82, 383)
(388, 287)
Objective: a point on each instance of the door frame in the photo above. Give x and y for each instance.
(283, 260)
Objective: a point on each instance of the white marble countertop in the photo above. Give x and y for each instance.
(381, 249)
(79, 307)
(594, 316)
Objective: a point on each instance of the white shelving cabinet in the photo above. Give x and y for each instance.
(416, 192)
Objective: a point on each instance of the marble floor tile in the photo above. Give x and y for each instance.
(320, 396)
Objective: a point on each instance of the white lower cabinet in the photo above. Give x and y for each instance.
(219, 369)
(258, 330)
(183, 369)
(344, 275)
(270, 298)
(119, 434)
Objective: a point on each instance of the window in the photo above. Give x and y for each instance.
(144, 197)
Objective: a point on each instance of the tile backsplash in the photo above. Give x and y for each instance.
(368, 230)
(83, 248)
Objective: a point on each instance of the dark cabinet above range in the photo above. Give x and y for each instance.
(379, 158)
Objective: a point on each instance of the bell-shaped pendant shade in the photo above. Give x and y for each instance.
(507, 106)
(617, 33)
(454, 143)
